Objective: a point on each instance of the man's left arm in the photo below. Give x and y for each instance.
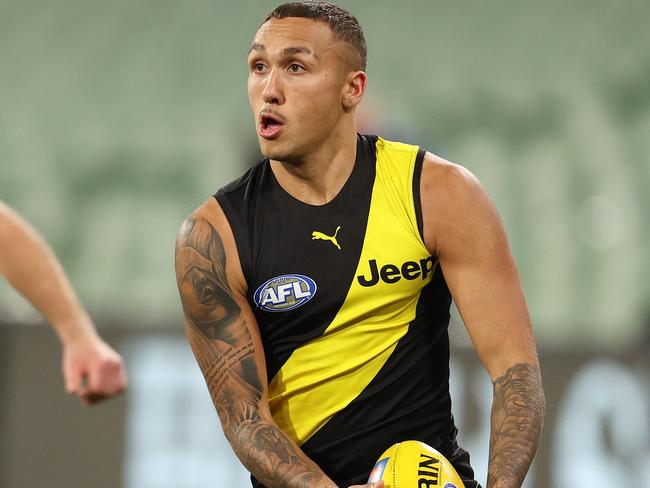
(463, 228)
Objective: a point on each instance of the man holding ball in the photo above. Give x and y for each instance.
(317, 287)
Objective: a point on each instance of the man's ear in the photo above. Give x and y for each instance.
(354, 89)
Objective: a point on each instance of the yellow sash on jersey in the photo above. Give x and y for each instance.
(324, 375)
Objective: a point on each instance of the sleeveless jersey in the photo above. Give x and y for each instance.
(352, 311)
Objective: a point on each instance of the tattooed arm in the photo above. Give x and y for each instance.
(517, 412)
(225, 339)
(463, 228)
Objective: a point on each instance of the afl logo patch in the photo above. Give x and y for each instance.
(284, 293)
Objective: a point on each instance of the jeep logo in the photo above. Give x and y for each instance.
(390, 273)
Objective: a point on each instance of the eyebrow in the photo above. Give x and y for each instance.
(287, 51)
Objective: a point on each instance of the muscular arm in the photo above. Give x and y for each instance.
(463, 228)
(92, 370)
(223, 335)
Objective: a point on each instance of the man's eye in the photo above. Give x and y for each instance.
(258, 67)
(295, 68)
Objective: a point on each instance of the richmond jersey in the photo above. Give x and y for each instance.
(352, 311)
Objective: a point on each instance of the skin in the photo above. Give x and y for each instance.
(315, 94)
(92, 370)
(463, 228)
(299, 73)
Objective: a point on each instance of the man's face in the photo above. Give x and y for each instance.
(295, 86)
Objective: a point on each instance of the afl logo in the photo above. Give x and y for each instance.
(284, 293)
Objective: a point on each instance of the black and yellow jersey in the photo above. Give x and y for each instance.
(352, 310)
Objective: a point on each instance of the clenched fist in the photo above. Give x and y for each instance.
(92, 370)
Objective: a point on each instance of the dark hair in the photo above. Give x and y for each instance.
(344, 25)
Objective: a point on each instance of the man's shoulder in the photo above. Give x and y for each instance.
(227, 202)
(446, 179)
(453, 200)
(251, 177)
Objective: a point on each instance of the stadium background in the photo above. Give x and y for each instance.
(117, 118)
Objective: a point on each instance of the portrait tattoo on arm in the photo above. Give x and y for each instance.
(516, 425)
(224, 348)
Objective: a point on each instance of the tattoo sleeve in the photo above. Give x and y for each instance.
(516, 425)
(226, 353)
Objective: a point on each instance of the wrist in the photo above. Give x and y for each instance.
(503, 481)
(75, 329)
(499, 484)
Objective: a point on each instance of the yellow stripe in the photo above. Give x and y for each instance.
(323, 376)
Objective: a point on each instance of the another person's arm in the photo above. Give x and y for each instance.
(463, 228)
(91, 369)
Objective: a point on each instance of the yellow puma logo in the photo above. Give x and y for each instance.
(332, 239)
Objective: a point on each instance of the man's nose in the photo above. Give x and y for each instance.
(272, 93)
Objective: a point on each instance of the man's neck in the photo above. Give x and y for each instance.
(320, 176)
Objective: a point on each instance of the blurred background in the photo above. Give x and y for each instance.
(118, 118)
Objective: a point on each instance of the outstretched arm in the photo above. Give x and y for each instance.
(91, 369)
(463, 228)
(224, 336)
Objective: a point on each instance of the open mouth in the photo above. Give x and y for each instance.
(270, 126)
(268, 120)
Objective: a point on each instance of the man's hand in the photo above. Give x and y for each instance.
(378, 484)
(92, 370)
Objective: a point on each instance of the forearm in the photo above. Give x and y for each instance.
(226, 344)
(32, 269)
(238, 396)
(273, 458)
(516, 425)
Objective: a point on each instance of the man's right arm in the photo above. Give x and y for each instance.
(225, 339)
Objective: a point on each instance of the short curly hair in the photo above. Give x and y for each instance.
(344, 25)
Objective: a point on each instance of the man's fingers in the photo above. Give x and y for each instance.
(378, 484)
(92, 370)
(70, 386)
(117, 376)
(97, 376)
(121, 377)
(73, 380)
(106, 378)
(93, 398)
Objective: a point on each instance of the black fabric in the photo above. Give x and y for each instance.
(407, 400)
(417, 200)
(273, 232)
(409, 397)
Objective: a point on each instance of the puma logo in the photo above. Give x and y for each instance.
(319, 235)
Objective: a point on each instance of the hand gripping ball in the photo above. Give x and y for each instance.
(413, 464)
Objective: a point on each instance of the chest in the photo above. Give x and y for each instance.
(310, 261)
